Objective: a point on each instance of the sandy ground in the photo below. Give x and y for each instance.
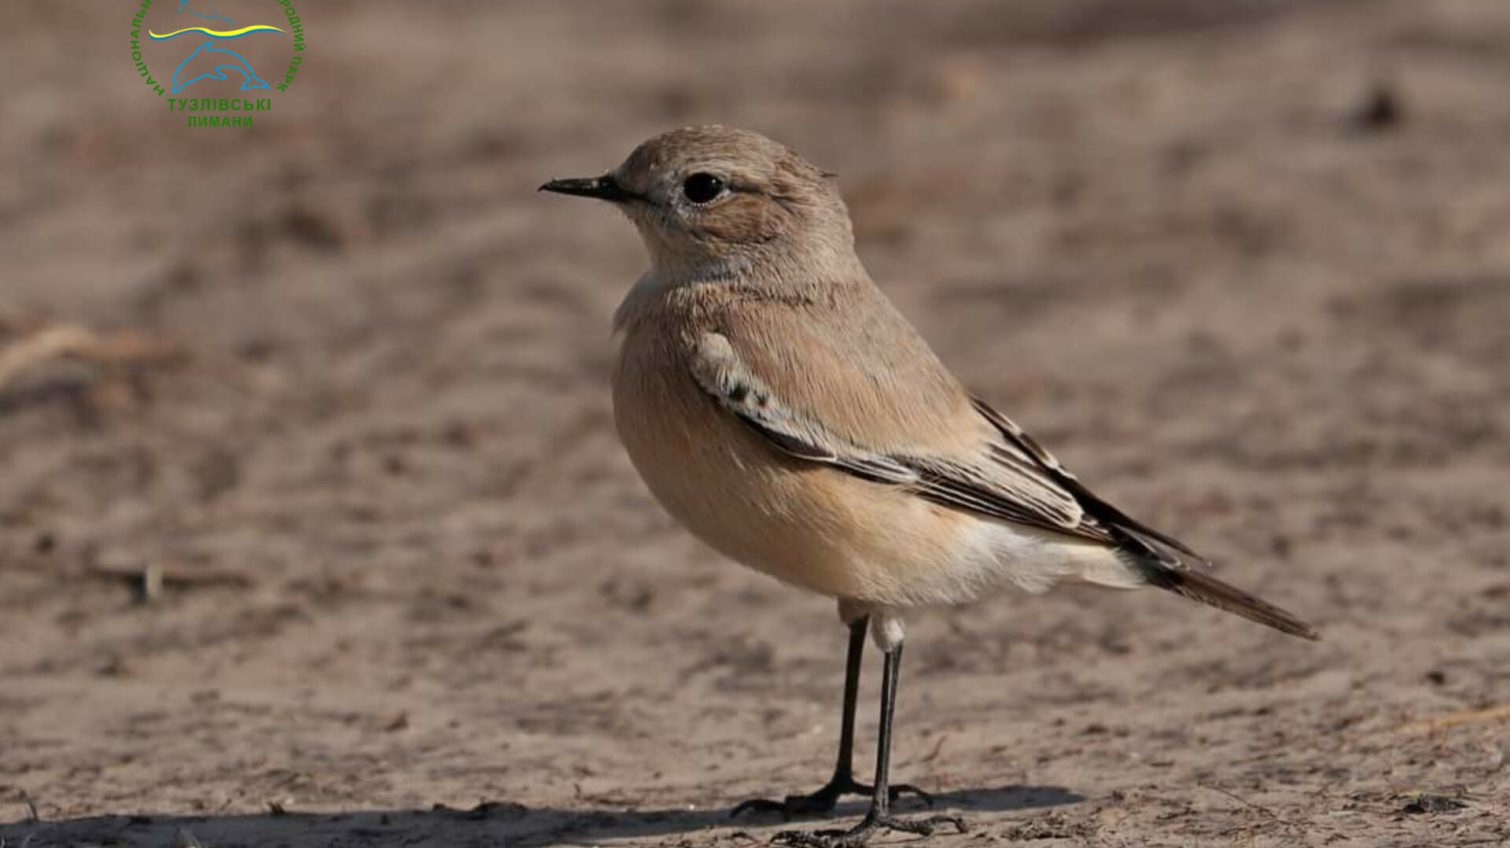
(415, 595)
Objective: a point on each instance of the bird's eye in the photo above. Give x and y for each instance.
(701, 188)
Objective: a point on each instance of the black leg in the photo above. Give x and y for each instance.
(879, 817)
(852, 663)
(843, 782)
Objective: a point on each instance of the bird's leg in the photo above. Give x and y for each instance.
(879, 817)
(843, 782)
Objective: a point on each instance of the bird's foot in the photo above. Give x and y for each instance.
(862, 832)
(822, 802)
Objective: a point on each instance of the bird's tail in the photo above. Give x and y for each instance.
(1202, 587)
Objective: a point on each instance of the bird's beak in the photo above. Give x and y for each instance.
(603, 188)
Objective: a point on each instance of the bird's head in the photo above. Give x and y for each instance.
(715, 200)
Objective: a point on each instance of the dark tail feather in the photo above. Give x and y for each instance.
(1199, 586)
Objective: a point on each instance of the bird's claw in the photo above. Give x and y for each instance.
(862, 832)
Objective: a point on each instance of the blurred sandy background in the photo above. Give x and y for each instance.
(1244, 266)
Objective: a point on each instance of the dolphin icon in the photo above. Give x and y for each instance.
(211, 62)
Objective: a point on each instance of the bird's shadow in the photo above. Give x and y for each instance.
(489, 823)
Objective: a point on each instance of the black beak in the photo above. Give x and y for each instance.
(603, 188)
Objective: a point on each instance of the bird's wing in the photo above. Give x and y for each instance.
(971, 459)
(1007, 476)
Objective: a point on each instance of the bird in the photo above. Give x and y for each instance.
(778, 405)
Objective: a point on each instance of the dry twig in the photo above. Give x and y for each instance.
(118, 348)
(1499, 712)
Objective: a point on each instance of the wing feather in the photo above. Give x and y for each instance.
(1159, 545)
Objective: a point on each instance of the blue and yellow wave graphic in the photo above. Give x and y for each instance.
(223, 34)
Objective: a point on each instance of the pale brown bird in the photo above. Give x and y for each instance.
(780, 407)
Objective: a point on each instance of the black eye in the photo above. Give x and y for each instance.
(701, 188)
